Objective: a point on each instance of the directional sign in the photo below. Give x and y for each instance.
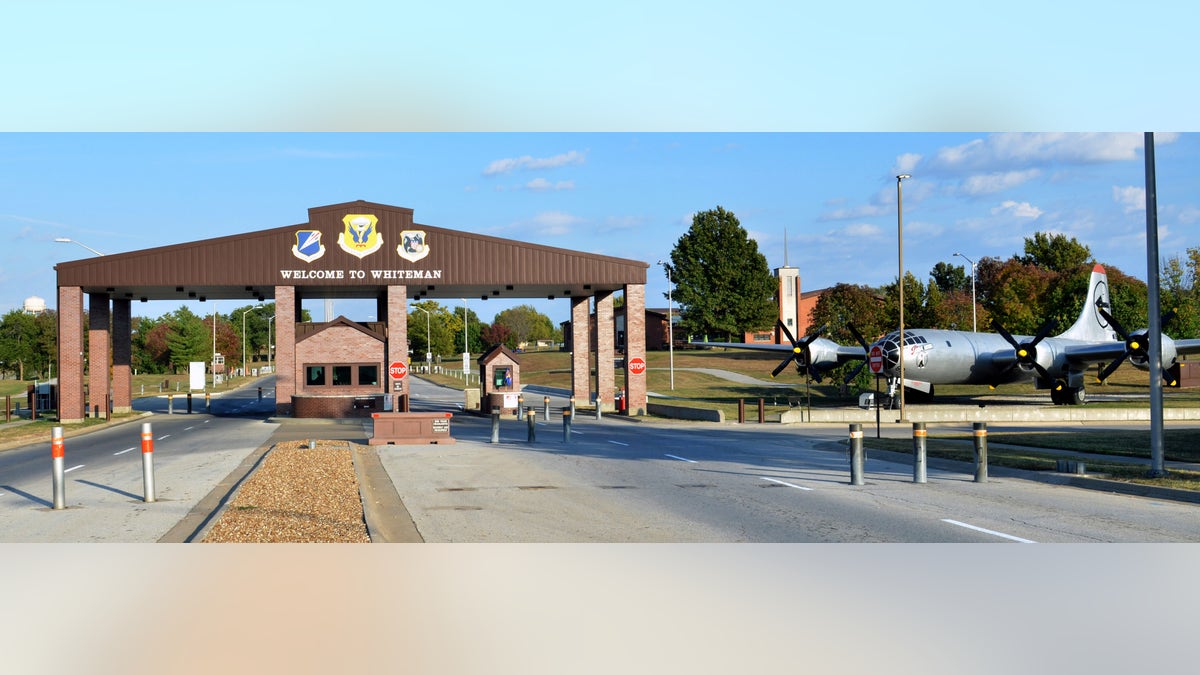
(398, 370)
(637, 365)
(876, 360)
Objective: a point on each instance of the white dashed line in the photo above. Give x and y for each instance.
(124, 451)
(73, 468)
(619, 443)
(798, 487)
(163, 437)
(683, 459)
(188, 428)
(992, 532)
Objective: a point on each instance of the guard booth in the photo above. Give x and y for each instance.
(500, 378)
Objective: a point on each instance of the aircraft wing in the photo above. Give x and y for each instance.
(825, 353)
(1086, 354)
(1187, 346)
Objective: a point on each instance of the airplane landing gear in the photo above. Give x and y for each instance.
(1069, 396)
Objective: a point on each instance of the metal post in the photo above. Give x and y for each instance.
(981, 472)
(260, 393)
(148, 462)
(189, 400)
(918, 452)
(7, 408)
(207, 402)
(572, 402)
(495, 425)
(856, 454)
(58, 457)
(762, 412)
(599, 413)
(546, 408)
(530, 415)
(567, 425)
(170, 404)
(741, 411)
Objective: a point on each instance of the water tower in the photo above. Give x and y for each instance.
(35, 305)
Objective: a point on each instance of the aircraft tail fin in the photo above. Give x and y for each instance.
(1090, 325)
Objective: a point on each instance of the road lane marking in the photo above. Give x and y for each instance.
(73, 468)
(164, 436)
(992, 532)
(683, 459)
(798, 487)
(188, 428)
(124, 451)
(619, 443)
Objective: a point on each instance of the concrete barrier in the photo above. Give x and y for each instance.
(685, 413)
(398, 428)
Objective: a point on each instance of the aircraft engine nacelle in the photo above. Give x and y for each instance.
(1140, 358)
(823, 354)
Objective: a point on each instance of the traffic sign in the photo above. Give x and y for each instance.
(876, 360)
(637, 365)
(398, 370)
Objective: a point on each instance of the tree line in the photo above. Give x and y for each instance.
(168, 343)
(725, 288)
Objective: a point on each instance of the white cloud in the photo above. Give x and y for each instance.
(542, 185)
(1131, 197)
(999, 151)
(991, 183)
(907, 162)
(1017, 210)
(556, 223)
(530, 163)
(1189, 215)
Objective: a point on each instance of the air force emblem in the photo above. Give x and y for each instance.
(308, 245)
(360, 238)
(413, 246)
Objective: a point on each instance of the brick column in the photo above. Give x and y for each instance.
(122, 374)
(286, 308)
(635, 347)
(581, 356)
(397, 341)
(606, 335)
(98, 354)
(70, 354)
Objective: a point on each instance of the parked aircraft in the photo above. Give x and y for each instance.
(935, 356)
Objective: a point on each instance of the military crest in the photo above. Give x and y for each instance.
(361, 237)
(308, 245)
(413, 245)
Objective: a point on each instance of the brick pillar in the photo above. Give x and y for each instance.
(581, 356)
(606, 335)
(122, 373)
(286, 308)
(397, 340)
(635, 347)
(70, 354)
(98, 354)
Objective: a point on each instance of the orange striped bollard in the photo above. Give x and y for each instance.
(148, 461)
(918, 452)
(58, 457)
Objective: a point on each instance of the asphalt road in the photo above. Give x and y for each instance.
(619, 480)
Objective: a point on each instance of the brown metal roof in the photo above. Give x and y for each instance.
(450, 264)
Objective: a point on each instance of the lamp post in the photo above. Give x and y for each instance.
(66, 240)
(244, 313)
(900, 246)
(466, 349)
(670, 324)
(428, 341)
(270, 344)
(974, 327)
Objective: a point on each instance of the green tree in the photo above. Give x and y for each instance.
(950, 278)
(1055, 252)
(850, 304)
(18, 343)
(526, 324)
(1178, 292)
(722, 282)
(188, 339)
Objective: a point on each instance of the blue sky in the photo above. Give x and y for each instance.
(629, 195)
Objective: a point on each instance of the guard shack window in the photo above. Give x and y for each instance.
(314, 376)
(342, 375)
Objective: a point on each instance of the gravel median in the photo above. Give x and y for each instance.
(297, 495)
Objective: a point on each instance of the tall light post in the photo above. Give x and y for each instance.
(270, 344)
(244, 313)
(428, 341)
(974, 327)
(214, 352)
(466, 349)
(67, 240)
(670, 324)
(900, 246)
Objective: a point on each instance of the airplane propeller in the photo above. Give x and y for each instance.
(1027, 351)
(801, 355)
(1137, 345)
(866, 349)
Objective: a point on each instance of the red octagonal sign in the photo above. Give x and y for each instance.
(876, 360)
(398, 370)
(637, 365)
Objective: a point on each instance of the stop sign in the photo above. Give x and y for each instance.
(637, 365)
(398, 370)
(876, 360)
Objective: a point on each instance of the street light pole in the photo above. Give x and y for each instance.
(66, 240)
(900, 246)
(974, 327)
(270, 343)
(428, 341)
(670, 324)
(244, 313)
